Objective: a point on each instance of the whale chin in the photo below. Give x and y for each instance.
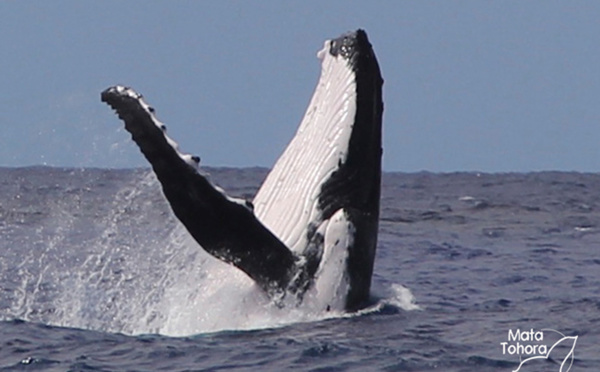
(311, 230)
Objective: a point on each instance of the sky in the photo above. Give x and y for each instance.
(491, 86)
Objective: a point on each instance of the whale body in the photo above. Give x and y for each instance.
(311, 230)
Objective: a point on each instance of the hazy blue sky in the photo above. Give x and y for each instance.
(469, 85)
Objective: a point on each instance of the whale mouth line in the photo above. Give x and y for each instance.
(311, 229)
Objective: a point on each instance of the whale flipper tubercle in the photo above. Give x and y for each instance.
(224, 227)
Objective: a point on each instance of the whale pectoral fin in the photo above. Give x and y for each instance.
(332, 281)
(224, 227)
(342, 279)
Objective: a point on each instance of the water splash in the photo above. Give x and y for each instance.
(403, 298)
(115, 259)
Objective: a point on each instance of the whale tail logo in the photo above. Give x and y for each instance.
(312, 227)
(567, 361)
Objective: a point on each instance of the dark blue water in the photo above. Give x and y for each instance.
(97, 275)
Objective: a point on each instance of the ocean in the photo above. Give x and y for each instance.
(474, 272)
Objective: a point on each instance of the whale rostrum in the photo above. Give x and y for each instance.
(311, 230)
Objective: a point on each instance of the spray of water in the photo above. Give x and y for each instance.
(136, 270)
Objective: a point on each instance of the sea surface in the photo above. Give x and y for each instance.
(474, 272)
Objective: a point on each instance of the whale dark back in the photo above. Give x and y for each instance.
(356, 185)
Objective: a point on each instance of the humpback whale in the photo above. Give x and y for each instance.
(311, 229)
